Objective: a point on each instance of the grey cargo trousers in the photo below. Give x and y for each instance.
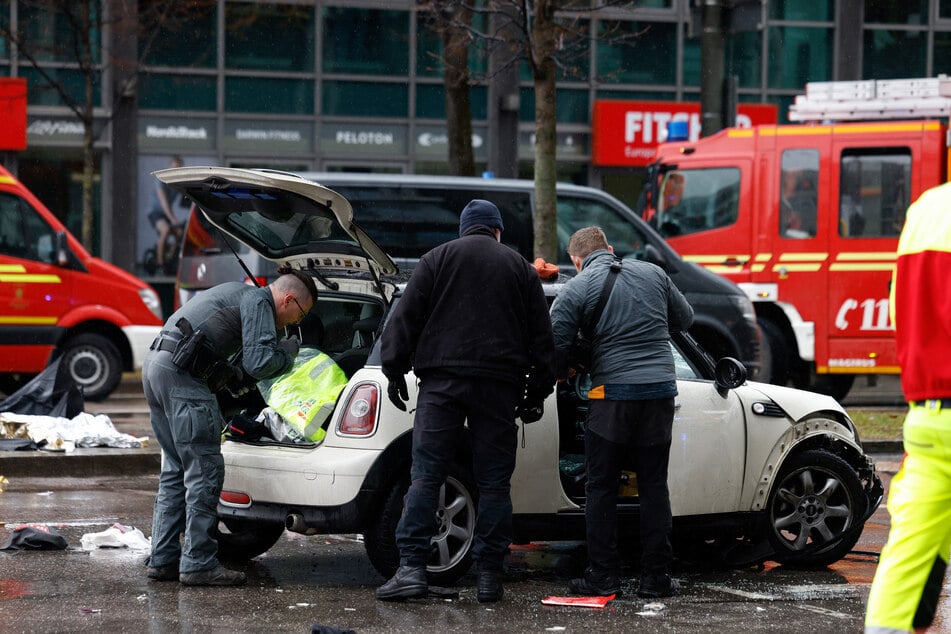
(187, 423)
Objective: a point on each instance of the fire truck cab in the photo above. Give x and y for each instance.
(806, 218)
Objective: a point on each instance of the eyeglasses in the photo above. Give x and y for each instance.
(303, 313)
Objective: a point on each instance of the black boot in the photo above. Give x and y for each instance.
(408, 582)
(657, 585)
(489, 586)
(595, 585)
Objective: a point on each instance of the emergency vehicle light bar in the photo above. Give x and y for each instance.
(873, 99)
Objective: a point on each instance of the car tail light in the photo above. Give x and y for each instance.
(234, 498)
(362, 408)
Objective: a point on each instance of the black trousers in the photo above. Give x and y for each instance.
(443, 407)
(644, 427)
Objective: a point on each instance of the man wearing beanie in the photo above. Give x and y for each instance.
(473, 326)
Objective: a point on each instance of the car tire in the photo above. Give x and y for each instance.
(817, 496)
(93, 363)
(452, 544)
(240, 540)
(774, 355)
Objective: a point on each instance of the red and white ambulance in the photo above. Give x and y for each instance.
(806, 217)
(54, 296)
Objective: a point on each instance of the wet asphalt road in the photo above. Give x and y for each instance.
(327, 579)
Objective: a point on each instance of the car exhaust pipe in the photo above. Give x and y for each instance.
(295, 523)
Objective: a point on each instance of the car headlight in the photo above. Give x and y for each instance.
(151, 300)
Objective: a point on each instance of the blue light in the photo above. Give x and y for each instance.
(678, 131)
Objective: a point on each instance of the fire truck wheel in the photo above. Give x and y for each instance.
(774, 355)
(94, 363)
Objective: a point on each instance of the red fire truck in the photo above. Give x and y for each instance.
(806, 217)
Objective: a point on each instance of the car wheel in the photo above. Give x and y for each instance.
(93, 362)
(239, 540)
(817, 497)
(451, 545)
(774, 356)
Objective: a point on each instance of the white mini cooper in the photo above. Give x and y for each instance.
(758, 472)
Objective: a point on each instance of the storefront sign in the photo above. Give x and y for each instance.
(433, 142)
(177, 135)
(363, 139)
(60, 131)
(568, 145)
(627, 133)
(257, 137)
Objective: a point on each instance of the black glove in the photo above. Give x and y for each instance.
(530, 411)
(290, 345)
(397, 392)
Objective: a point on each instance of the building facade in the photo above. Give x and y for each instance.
(357, 85)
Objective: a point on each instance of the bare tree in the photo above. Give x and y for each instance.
(69, 33)
(546, 35)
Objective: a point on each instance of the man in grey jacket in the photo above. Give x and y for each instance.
(630, 407)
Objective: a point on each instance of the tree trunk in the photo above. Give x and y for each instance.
(546, 209)
(456, 40)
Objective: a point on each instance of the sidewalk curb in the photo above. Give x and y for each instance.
(81, 463)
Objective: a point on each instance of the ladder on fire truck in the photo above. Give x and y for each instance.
(874, 99)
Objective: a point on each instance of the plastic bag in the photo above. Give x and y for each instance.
(306, 394)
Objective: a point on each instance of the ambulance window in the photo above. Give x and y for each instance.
(873, 192)
(697, 200)
(798, 194)
(23, 233)
(575, 213)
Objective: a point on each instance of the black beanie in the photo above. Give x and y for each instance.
(480, 212)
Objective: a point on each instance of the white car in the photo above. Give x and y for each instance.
(763, 472)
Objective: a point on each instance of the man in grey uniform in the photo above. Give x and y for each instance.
(188, 362)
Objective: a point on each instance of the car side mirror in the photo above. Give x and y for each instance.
(729, 374)
(653, 255)
(62, 255)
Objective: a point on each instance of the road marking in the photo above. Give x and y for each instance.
(742, 593)
(828, 612)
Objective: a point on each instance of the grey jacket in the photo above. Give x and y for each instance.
(632, 338)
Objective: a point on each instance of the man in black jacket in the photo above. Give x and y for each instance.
(473, 325)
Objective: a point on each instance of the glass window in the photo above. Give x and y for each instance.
(284, 96)
(744, 55)
(365, 41)
(944, 9)
(815, 10)
(177, 92)
(798, 195)
(41, 93)
(798, 55)
(908, 12)
(698, 200)
(269, 37)
(893, 54)
(49, 33)
(23, 232)
(941, 55)
(188, 39)
(647, 55)
(874, 191)
(572, 105)
(575, 212)
(429, 60)
(431, 101)
(363, 99)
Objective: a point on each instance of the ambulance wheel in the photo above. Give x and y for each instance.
(240, 540)
(93, 363)
(451, 554)
(774, 356)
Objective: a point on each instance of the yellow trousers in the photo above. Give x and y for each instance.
(907, 584)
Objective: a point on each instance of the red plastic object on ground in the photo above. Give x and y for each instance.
(579, 602)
